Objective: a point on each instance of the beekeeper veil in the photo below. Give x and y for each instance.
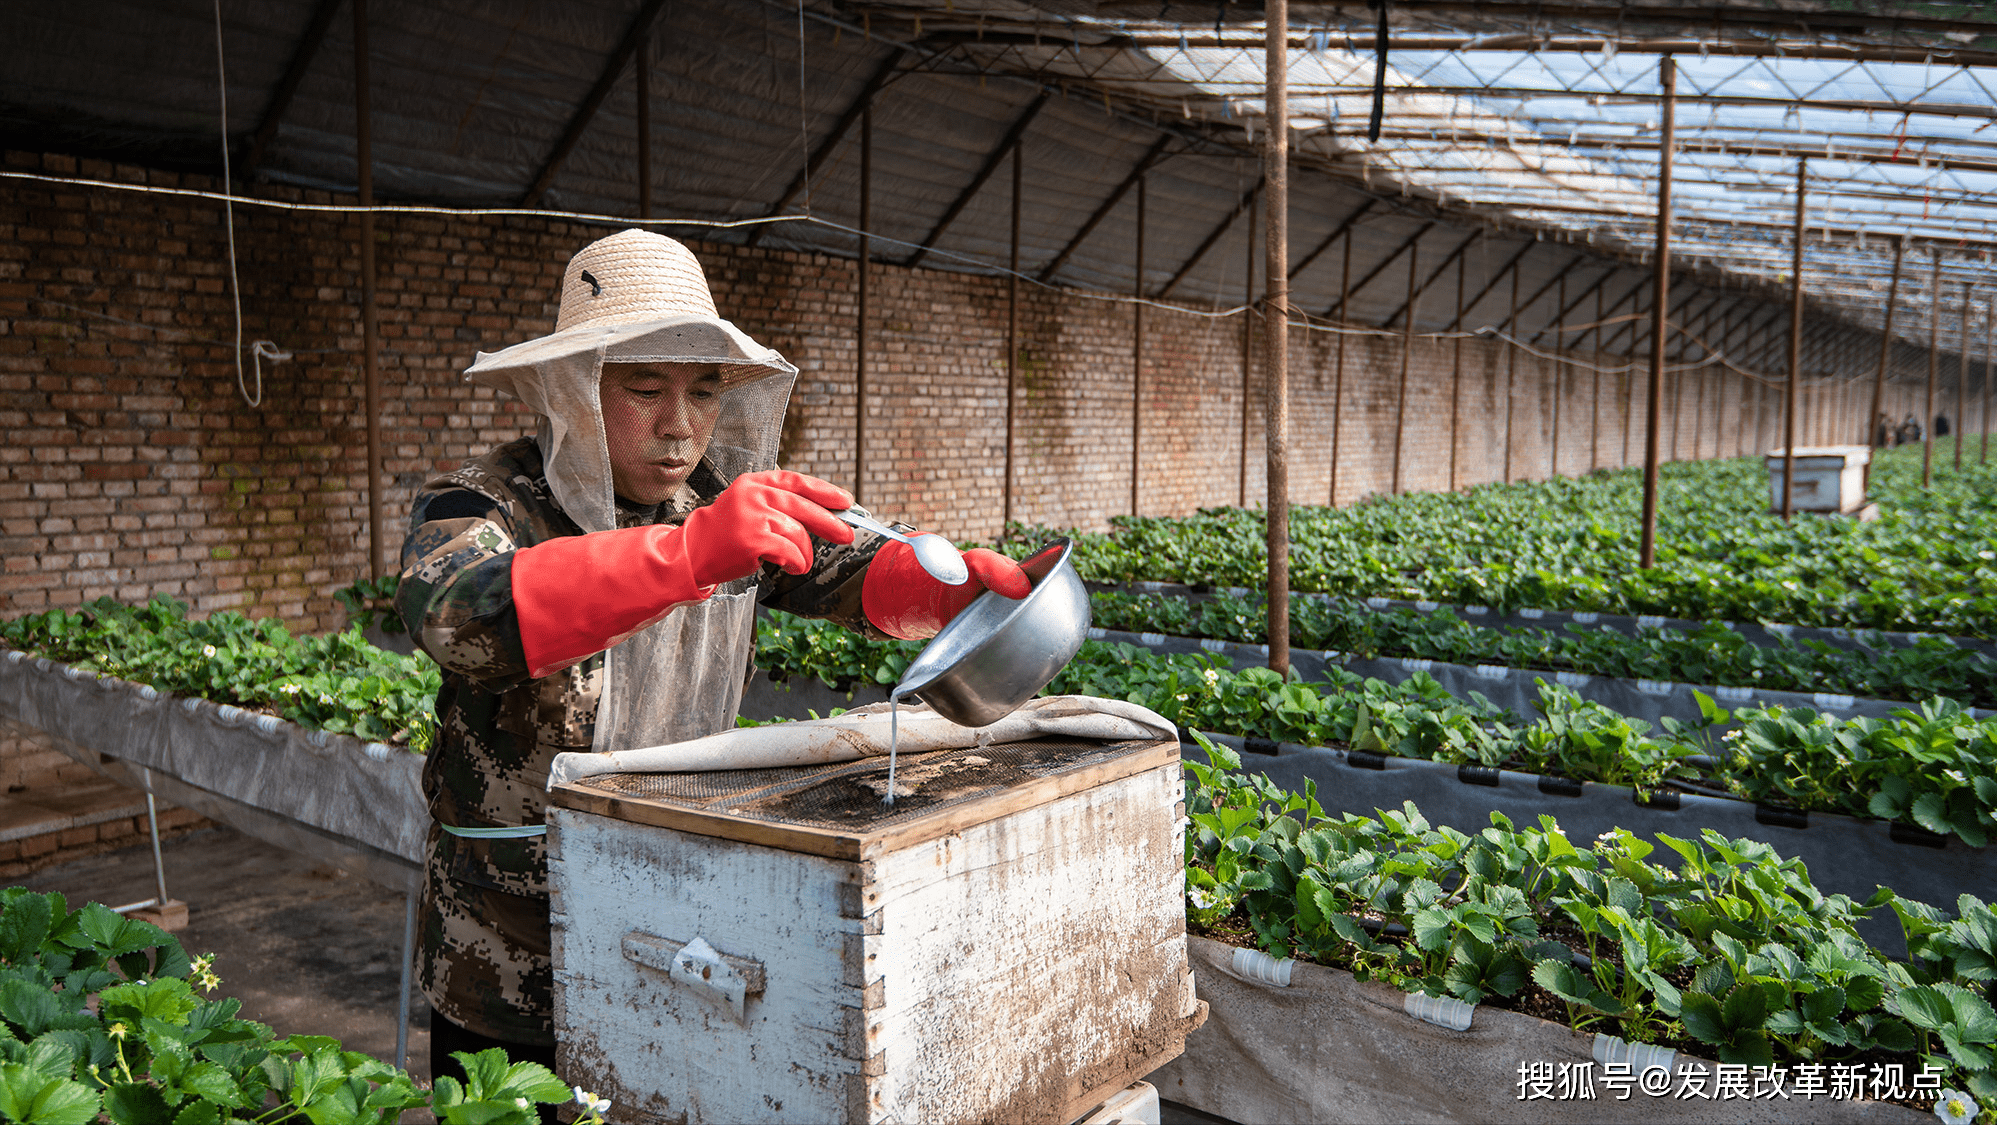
(639, 297)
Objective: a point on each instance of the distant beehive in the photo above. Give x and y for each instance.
(1829, 478)
(1006, 943)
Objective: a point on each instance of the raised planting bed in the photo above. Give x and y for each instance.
(1845, 855)
(1712, 947)
(1517, 689)
(1325, 1048)
(1760, 634)
(1935, 767)
(1926, 565)
(356, 804)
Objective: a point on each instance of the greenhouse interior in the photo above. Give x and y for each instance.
(1068, 561)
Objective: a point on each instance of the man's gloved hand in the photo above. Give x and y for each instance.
(764, 517)
(581, 594)
(903, 600)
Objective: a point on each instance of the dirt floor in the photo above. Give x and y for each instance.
(306, 948)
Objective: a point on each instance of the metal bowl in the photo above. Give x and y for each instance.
(999, 653)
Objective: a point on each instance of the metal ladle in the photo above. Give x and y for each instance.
(937, 555)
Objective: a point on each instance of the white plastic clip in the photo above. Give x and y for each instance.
(1257, 966)
(1442, 1011)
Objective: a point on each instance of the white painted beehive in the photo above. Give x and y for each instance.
(1007, 944)
(1829, 478)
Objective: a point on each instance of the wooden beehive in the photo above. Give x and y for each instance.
(1005, 943)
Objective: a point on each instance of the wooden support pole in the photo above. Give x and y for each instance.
(1011, 343)
(1879, 439)
(1795, 346)
(1559, 377)
(642, 74)
(1338, 376)
(1595, 404)
(1934, 369)
(1511, 377)
(862, 293)
(1456, 370)
(1990, 336)
(1962, 381)
(1276, 329)
(1407, 354)
(1247, 351)
(370, 316)
(1137, 355)
(1660, 300)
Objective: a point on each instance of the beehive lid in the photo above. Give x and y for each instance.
(837, 810)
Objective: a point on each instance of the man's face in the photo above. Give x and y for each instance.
(657, 419)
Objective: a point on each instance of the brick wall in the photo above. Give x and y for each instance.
(132, 466)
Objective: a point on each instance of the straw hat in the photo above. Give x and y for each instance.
(636, 297)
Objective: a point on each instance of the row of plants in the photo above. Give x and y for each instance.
(337, 682)
(106, 1018)
(1711, 654)
(1929, 562)
(1726, 949)
(1934, 766)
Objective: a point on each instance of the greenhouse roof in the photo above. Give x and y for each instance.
(1515, 139)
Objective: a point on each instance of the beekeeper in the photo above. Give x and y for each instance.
(594, 587)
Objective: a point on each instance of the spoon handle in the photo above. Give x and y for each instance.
(868, 523)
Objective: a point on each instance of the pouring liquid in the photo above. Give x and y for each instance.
(894, 736)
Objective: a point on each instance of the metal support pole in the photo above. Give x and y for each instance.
(1795, 347)
(1407, 351)
(863, 292)
(1276, 330)
(370, 324)
(409, 902)
(1934, 370)
(1011, 342)
(1137, 354)
(1247, 349)
(152, 829)
(1456, 372)
(642, 65)
(1660, 300)
(1989, 336)
(1338, 378)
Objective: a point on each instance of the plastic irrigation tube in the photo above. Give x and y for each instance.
(1517, 689)
(1556, 620)
(1844, 854)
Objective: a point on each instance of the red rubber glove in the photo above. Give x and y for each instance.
(903, 600)
(581, 594)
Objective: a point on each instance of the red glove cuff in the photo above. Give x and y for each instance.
(905, 601)
(581, 594)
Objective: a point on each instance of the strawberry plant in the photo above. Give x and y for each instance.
(1729, 951)
(338, 683)
(1928, 563)
(106, 1018)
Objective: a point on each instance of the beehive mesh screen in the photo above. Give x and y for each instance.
(850, 796)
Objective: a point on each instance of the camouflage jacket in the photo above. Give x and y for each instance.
(498, 729)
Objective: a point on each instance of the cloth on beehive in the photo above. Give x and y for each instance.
(864, 733)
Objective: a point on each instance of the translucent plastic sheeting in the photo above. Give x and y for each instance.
(357, 806)
(1328, 1048)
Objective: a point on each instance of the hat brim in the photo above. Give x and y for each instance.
(683, 338)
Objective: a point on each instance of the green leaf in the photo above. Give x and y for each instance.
(1745, 1007)
(198, 1113)
(1923, 1006)
(34, 1098)
(1700, 1012)
(135, 1103)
